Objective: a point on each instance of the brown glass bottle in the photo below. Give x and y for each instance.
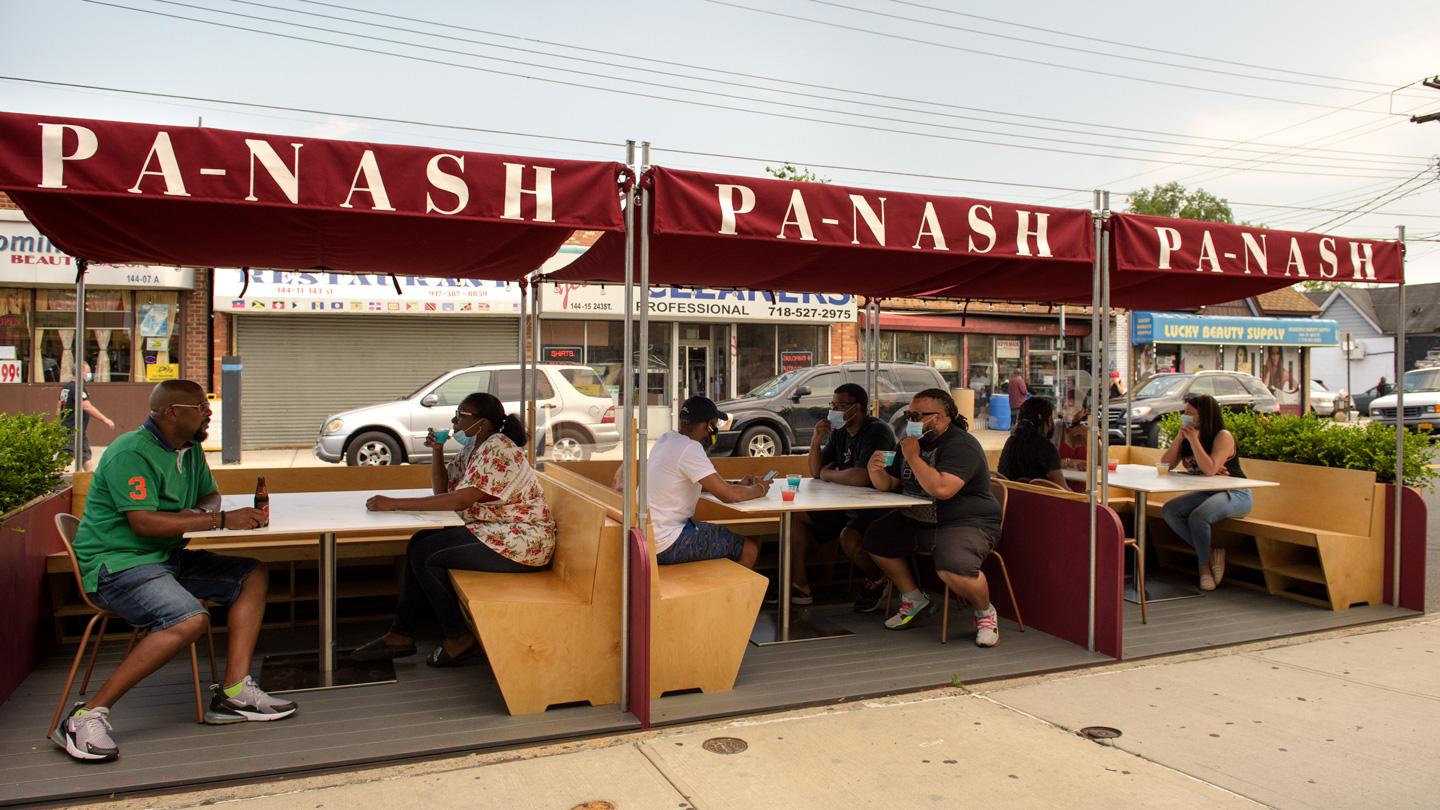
(262, 498)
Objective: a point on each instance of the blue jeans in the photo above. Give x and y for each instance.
(158, 596)
(429, 556)
(702, 541)
(1191, 516)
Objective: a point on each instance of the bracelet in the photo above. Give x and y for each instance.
(214, 521)
(222, 519)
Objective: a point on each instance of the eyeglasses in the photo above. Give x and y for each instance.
(841, 406)
(916, 416)
(205, 407)
(463, 414)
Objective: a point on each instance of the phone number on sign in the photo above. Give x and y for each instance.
(810, 312)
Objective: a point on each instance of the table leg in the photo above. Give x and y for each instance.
(781, 627)
(323, 669)
(784, 584)
(1157, 588)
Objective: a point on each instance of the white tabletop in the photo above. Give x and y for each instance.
(821, 496)
(1144, 478)
(319, 512)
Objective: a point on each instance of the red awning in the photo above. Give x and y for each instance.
(1174, 263)
(138, 193)
(717, 230)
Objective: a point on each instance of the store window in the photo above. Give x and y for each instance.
(802, 346)
(947, 358)
(981, 373)
(756, 351)
(603, 349)
(912, 347)
(15, 343)
(108, 344)
(887, 346)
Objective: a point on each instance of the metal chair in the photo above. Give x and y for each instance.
(66, 525)
(1046, 483)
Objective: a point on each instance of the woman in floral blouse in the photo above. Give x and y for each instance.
(508, 528)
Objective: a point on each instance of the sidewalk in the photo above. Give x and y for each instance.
(1348, 719)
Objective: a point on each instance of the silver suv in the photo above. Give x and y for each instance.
(1422, 402)
(577, 416)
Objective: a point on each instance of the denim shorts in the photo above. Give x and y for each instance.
(156, 596)
(702, 541)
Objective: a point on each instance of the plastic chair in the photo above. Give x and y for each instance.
(66, 525)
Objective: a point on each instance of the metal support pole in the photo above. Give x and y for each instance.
(1399, 425)
(77, 408)
(1093, 425)
(1060, 380)
(627, 433)
(534, 372)
(642, 446)
(521, 354)
(1104, 385)
(327, 609)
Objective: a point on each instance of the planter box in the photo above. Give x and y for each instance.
(27, 536)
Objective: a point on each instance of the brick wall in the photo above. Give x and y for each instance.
(195, 331)
(844, 342)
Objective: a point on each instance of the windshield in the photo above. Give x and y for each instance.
(417, 391)
(1160, 386)
(1316, 385)
(775, 385)
(1425, 380)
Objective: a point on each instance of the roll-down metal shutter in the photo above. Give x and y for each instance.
(299, 369)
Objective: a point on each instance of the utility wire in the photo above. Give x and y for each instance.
(1389, 196)
(889, 96)
(651, 96)
(1041, 62)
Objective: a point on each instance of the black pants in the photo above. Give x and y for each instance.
(428, 557)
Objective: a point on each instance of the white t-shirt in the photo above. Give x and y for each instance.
(672, 483)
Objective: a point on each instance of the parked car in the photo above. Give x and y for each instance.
(1363, 399)
(779, 415)
(1323, 401)
(576, 416)
(1422, 402)
(1166, 393)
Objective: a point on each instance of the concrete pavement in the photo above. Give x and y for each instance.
(1346, 719)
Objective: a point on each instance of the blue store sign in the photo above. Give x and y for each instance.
(1165, 327)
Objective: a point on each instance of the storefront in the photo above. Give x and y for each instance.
(313, 344)
(982, 353)
(140, 327)
(716, 343)
(1272, 349)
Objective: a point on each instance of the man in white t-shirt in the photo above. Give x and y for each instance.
(678, 470)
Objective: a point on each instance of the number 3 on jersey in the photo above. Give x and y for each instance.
(137, 488)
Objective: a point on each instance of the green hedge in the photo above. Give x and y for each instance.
(34, 452)
(1325, 443)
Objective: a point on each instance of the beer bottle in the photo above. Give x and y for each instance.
(262, 498)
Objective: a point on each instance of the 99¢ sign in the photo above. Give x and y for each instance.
(10, 371)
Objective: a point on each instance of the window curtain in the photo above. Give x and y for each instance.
(102, 354)
(67, 354)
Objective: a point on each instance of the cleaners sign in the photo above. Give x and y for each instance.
(1163, 327)
(697, 304)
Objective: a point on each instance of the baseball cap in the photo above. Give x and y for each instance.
(700, 409)
(1114, 375)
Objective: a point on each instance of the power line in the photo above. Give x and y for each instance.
(1041, 62)
(655, 97)
(1104, 41)
(1387, 197)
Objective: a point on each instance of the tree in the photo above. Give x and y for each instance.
(786, 171)
(1174, 200)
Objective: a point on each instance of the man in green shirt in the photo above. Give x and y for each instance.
(153, 486)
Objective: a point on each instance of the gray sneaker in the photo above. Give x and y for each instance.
(86, 737)
(250, 704)
(909, 611)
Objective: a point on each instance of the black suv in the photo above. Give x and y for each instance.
(779, 415)
(1165, 393)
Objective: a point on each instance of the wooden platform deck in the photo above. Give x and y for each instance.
(431, 713)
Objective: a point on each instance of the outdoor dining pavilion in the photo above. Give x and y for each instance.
(118, 193)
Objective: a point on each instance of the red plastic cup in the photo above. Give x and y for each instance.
(1113, 465)
(787, 494)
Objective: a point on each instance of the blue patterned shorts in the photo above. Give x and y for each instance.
(702, 541)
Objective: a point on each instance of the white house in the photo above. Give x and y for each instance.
(1365, 353)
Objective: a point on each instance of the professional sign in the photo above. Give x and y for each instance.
(697, 304)
(27, 258)
(1164, 327)
(281, 292)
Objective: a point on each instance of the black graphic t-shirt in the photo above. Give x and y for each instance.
(849, 452)
(960, 454)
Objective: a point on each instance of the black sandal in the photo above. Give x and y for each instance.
(378, 650)
(440, 658)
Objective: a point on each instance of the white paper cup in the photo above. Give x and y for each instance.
(1162, 469)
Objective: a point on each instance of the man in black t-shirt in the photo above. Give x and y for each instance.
(840, 449)
(65, 410)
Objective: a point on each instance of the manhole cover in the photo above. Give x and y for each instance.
(1100, 732)
(595, 805)
(725, 745)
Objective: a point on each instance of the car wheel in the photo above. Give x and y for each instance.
(569, 446)
(760, 442)
(373, 449)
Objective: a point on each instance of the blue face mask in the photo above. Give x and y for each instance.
(1187, 419)
(463, 439)
(837, 418)
(914, 430)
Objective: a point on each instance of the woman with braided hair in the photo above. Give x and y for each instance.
(1029, 452)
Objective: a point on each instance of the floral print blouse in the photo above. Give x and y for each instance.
(520, 528)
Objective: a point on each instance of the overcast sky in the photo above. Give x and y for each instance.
(1262, 103)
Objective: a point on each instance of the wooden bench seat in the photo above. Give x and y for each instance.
(1317, 538)
(702, 613)
(553, 636)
